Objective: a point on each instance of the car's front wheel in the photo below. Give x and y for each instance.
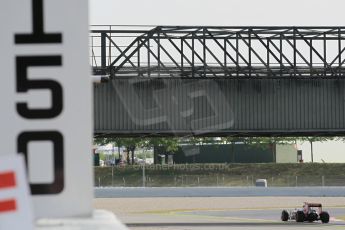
(324, 217)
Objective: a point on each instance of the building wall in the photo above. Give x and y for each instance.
(286, 154)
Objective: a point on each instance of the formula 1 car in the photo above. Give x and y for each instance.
(307, 213)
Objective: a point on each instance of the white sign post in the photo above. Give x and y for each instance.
(45, 99)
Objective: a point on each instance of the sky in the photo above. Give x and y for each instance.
(217, 12)
(229, 13)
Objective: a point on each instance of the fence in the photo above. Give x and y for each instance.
(139, 178)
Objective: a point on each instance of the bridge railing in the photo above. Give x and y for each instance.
(194, 51)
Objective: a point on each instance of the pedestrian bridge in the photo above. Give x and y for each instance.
(173, 80)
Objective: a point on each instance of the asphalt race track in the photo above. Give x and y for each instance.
(238, 219)
(209, 212)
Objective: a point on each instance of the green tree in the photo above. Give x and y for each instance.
(170, 145)
(117, 141)
(129, 143)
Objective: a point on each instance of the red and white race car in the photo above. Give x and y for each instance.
(307, 213)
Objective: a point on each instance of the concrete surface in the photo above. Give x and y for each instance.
(217, 212)
(101, 220)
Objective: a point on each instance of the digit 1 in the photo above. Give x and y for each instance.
(38, 35)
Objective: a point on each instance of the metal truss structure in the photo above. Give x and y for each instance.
(199, 52)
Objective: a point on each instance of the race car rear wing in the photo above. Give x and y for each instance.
(314, 204)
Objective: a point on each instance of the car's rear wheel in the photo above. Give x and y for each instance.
(324, 217)
(312, 216)
(299, 216)
(284, 216)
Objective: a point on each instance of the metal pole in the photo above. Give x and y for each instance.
(250, 53)
(109, 50)
(144, 178)
(148, 58)
(112, 176)
(281, 54)
(159, 55)
(138, 59)
(237, 55)
(225, 62)
(311, 58)
(294, 53)
(325, 54)
(193, 64)
(103, 50)
(339, 50)
(113, 154)
(182, 54)
(311, 152)
(204, 51)
(268, 53)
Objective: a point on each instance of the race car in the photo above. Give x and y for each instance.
(307, 213)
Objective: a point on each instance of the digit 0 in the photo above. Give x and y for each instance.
(57, 139)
